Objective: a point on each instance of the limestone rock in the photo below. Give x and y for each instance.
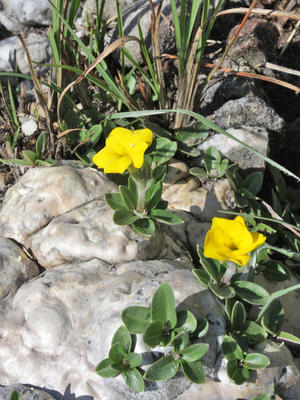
(15, 267)
(256, 137)
(64, 320)
(188, 195)
(45, 193)
(17, 15)
(110, 8)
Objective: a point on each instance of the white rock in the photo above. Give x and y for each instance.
(17, 15)
(6, 46)
(29, 127)
(256, 137)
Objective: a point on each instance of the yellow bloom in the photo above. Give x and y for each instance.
(122, 149)
(231, 240)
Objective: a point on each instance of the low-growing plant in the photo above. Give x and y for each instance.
(161, 325)
(32, 158)
(214, 166)
(138, 204)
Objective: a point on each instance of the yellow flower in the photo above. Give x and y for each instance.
(123, 148)
(231, 240)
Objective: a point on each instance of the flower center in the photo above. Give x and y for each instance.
(131, 145)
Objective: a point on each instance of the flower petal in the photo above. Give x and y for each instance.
(136, 153)
(144, 135)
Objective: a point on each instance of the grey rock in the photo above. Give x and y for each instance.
(38, 47)
(247, 111)
(26, 391)
(15, 267)
(256, 137)
(110, 8)
(18, 15)
(29, 126)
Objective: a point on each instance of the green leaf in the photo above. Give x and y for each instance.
(231, 350)
(193, 134)
(288, 337)
(193, 371)
(134, 359)
(198, 172)
(15, 161)
(256, 361)
(29, 156)
(116, 353)
(134, 380)
(251, 292)
(144, 226)
(229, 303)
(212, 267)
(45, 163)
(275, 271)
(253, 182)
(273, 318)
(202, 276)
(153, 195)
(194, 352)
(15, 395)
(263, 396)
(186, 320)
(163, 305)
(236, 373)
(225, 292)
(124, 217)
(202, 327)
(114, 200)
(164, 150)
(212, 158)
(159, 173)
(156, 335)
(136, 318)
(166, 217)
(180, 341)
(94, 133)
(238, 316)
(129, 199)
(123, 338)
(162, 369)
(254, 332)
(40, 144)
(105, 369)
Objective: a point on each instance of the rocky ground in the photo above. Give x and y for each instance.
(57, 300)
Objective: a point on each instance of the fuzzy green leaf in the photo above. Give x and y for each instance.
(254, 332)
(288, 337)
(231, 350)
(236, 373)
(273, 319)
(202, 276)
(164, 150)
(153, 195)
(124, 217)
(180, 341)
(212, 158)
(166, 217)
(186, 321)
(136, 318)
(202, 327)
(238, 316)
(134, 359)
(212, 267)
(40, 144)
(276, 271)
(253, 182)
(256, 361)
(29, 156)
(15, 395)
(144, 226)
(105, 369)
(134, 380)
(155, 334)
(159, 173)
(162, 369)
(262, 396)
(163, 305)
(129, 199)
(251, 292)
(225, 292)
(194, 352)
(116, 353)
(193, 371)
(123, 338)
(114, 200)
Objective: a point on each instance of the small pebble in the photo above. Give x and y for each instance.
(29, 127)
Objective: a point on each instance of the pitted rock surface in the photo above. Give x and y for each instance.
(59, 326)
